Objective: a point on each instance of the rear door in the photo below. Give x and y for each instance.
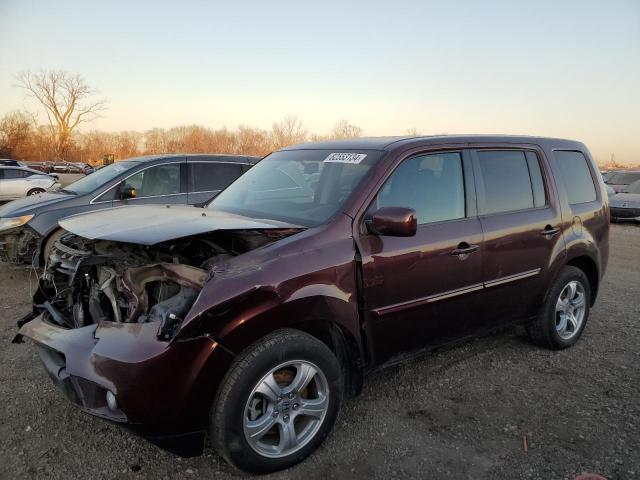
(422, 290)
(206, 179)
(521, 223)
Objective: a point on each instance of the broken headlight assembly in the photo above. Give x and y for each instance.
(8, 223)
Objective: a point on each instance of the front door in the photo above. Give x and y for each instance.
(423, 290)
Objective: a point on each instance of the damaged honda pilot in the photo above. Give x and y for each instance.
(250, 320)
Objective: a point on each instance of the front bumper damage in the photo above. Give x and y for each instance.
(20, 245)
(163, 389)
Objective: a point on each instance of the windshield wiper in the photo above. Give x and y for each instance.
(64, 190)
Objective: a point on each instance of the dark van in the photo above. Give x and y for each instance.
(252, 320)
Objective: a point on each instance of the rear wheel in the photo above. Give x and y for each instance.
(277, 403)
(564, 314)
(35, 191)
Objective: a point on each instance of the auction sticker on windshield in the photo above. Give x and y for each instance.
(353, 158)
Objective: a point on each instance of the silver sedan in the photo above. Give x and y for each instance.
(18, 182)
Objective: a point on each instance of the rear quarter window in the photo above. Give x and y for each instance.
(576, 176)
(212, 176)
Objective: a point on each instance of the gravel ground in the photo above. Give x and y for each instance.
(461, 413)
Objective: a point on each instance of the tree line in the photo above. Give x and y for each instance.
(68, 102)
(23, 139)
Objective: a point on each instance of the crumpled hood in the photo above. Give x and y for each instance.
(630, 200)
(151, 224)
(27, 205)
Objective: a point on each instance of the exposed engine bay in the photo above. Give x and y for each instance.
(90, 281)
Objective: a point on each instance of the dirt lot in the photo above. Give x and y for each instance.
(462, 413)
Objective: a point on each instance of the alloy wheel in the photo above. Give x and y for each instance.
(570, 310)
(286, 409)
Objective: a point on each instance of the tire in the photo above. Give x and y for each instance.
(34, 191)
(563, 316)
(238, 401)
(50, 242)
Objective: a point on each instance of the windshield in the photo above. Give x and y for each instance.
(633, 188)
(99, 178)
(624, 178)
(305, 187)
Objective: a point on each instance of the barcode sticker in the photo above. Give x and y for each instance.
(353, 158)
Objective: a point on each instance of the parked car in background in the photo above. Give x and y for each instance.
(68, 167)
(29, 227)
(625, 206)
(19, 182)
(8, 162)
(253, 318)
(46, 167)
(620, 179)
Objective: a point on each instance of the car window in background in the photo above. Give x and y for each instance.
(624, 178)
(11, 173)
(99, 177)
(511, 181)
(211, 176)
(305, 187)
(633, 188)
(433, 185)
(576, 176)
(156, 181)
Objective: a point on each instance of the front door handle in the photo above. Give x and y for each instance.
(549, 231)
(463, 250)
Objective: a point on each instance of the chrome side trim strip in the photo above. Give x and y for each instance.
(396, 307)
(512, 278)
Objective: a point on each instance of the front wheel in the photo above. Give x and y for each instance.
(277, 402)
(35, 191)
(564, 314)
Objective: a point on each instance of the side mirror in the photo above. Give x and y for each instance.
(393, 222)
(127, 191)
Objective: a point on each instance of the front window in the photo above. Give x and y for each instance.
(100, 177)
(156, 181)
(305, 187)
(433, 185)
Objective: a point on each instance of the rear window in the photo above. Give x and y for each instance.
(212, 176)
(510, 180)
(576, 176)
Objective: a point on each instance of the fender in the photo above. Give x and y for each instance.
(270, 288)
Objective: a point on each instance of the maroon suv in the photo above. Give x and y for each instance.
(251, 320)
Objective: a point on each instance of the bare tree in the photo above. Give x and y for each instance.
(66, 99)
(413, 132)
(288, 131)
(344, 129)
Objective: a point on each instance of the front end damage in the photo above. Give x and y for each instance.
(105, 318)
(20, 245)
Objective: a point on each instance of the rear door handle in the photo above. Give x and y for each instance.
(549, 231)
(464, 249)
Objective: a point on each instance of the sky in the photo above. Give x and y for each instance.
(556, 68)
